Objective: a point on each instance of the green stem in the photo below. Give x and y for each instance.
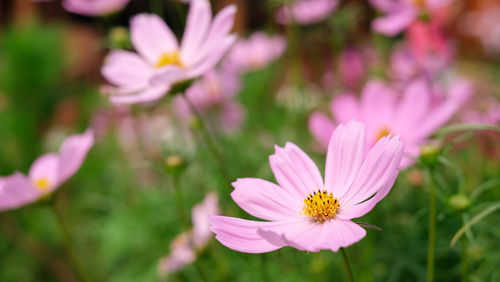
(179, 200)
(347, 265)
(68, 244)
(201, 271)
(463, 259)
(156, 6)
(432, 230)
(209, 139)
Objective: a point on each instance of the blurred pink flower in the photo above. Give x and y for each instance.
(484, 24)
(46, 174)
(351, 67)
(184, 248)
(303, 211)
(94, 7)
(413, 116)
(489, 115)
(254, 53)
(400, 14)
(149, 74)
(213, 95)
(305, 11)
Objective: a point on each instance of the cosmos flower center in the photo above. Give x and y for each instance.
(42, 184)
(172, 58)
(382, 132)
(321, 206)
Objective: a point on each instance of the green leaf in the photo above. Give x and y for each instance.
(465, 127)
(473, 221)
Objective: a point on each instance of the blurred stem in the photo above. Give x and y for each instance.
(347, 265)
(179, 200)
(201, 271)
(432, 228)
(209, 139)
(68, 243)
(463, 256)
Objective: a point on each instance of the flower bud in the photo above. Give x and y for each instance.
(429, 155)
(175, 164)
(459, 202)
(119, 38)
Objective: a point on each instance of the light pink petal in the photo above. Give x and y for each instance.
(151, 37)
(295, 171)
(151, 94)
(346, 152)
(413, 107)
(46, 167)
(232, 116)
(201, 215)
(345, 108)
(72, 154)
(434, 120)
(124, 68)
(17, 191)
(213, 56)
(377, 169)
(266, 200)
(197, 27)
(394, 22)
(321, 127)
(363, 208)
(377, 103)
(241, 235)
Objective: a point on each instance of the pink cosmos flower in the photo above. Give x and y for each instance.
(484, 24)
(401, 13)
(94, 7)
(185, 247)
(46, 174)
(254, 53)
(160, 62)
(214, 95)
(306, 11)
(303, 211)
(413, 116)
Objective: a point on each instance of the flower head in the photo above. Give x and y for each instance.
(413, 116)
(160, 62)
(94, 7)
(255, 52)
(46, 174)
(306, 11)
(184, 248)
(303, 211)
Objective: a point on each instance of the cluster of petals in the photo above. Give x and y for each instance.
(400, 14)
(160, 62)
(254, 53)
(413, 116)
(46, 174)
(357, 176)
(214, 95)
(305, 11)
(184, 248)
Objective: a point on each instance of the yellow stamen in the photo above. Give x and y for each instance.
(42, 184)
(382, 132)
(172, 58)
(321, 206)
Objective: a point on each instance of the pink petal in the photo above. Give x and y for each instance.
(345, 108)
(266, 200)
(394, 22)
(197, 26)
(46, 167)
(346, 152)
(17, 191)
(151, 37)
(124, 68)
(321, 127)
(241, 235)
(377, 169)
(213, 56)
(149, 95)
(295, 171)
(201, 215)
(413, 107)
(72, 154)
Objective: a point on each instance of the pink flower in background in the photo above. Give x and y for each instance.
(46, 174)
(490, 114)
(303, 211)
(214, 95)
(160, 62)
(306, 11)
(351, 67)
(254, 53)
(184, 248)
(484, 24)
(413, 116)
(94, 7)
(400, 14)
